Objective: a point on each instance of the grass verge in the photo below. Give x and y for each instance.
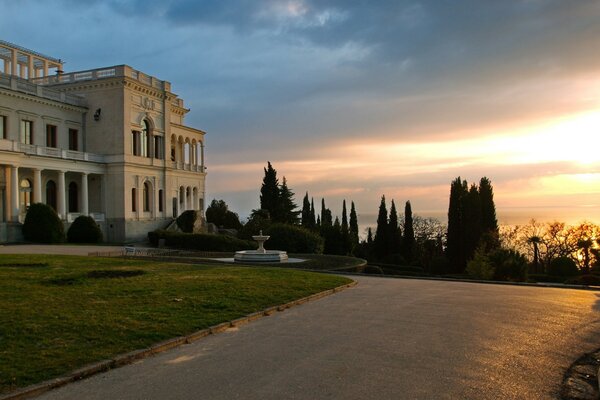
(60, 313)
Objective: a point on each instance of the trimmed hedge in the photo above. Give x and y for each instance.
(593, 280)
(200, 241)
(293, 239)
(84, 230)
(42, 225)
(545, 278)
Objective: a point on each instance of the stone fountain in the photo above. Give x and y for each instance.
(260, 255)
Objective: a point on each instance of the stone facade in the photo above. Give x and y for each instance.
(110, 143)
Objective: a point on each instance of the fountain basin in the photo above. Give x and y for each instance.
(258, 256)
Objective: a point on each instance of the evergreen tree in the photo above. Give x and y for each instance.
(344, 217)
(269, 192)
(380, 242)
(318, 224)
(313, 222)
(333, 239)
(326, 216)
(408, 240)
(369, 235)
(394, 233)
(345, 232)
(489, 223)
(287, 212)
(353, 226)
(472, 221)
(455, 247)
(306, 211)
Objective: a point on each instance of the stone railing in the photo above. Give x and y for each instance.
(33, 88)
(12, 145)
(102, 73)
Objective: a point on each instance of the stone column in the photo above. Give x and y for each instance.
(13, 62)
(37, 186)
(202, 156)
(30, 73)
(84, 194)
(14, 193)
(61, 196)
(45, 67)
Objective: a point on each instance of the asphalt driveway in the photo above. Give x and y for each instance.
(383, 339)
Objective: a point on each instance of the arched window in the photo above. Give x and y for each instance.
(51, 194)
(73, 197)
(133, 200)
(146, 196)
(25, 194)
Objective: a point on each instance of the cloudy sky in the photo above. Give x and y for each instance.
(355, 99)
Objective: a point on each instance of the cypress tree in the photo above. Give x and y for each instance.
(394, 233)
(345, 232)
(269, 192)
(489, 223)
(472, 221)
(369, 235)
(455, 246)
(353, 226)
(408, 240)
(287, 207)
(326, 217)
(344, 217)
(313, 221)
(380, 242)
(306, 211)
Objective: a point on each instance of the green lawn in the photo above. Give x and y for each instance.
(59, 313)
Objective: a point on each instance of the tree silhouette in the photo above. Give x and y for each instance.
(408, 240)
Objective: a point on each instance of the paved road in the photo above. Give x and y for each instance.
(384, 339)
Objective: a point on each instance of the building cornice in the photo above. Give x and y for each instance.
(42, 100)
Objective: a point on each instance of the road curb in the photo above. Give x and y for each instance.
(135, 355)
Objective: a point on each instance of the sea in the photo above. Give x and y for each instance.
(510, 216)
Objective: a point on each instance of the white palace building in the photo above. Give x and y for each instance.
(110, 143)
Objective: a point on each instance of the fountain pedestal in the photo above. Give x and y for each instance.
(260, 255)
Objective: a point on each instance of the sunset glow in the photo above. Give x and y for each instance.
(353, 101)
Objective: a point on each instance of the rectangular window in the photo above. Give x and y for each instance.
(158, 147)
(73, 139)
(26, 132)
(133, 200)
(50, 136)
(160, 200)
(135, 143)
(2, 127)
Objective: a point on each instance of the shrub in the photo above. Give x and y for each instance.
(84, 230)
(186, 220)
(259, 221)
(293, 239)
(480, 266)
(200, 241)
(545, 278)
(219, 214)
(509, 265)
(42, 225)
(584, 280)
(440, 265)
(563, 266)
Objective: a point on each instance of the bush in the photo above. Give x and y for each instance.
(84, 230)
(218, 213)
(200, 241)
(440, 265)
(186, 220)
(480, 266)
(509, 265)
(545, 278)
(259, 221)
(563, 266)
(293, 239)
(42, 225)
(593, 280)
